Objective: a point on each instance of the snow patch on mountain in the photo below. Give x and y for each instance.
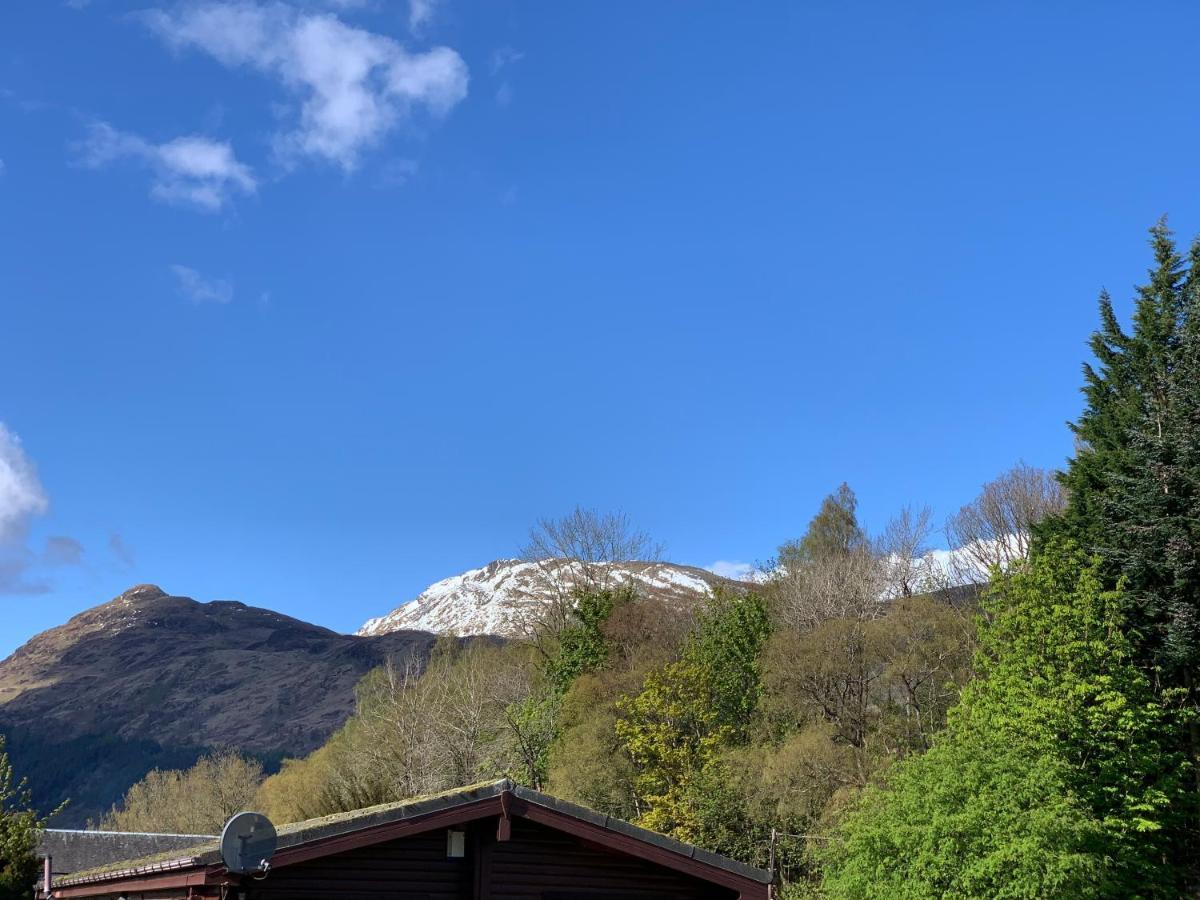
(503, 595)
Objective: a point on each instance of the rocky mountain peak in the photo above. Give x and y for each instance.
(142, 593)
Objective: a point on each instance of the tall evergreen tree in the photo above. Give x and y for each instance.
(1131, 372)
(1134, 486)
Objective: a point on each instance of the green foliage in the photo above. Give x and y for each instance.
(19, 827)
(1134, 490)
(533, 721)
(833, 531)
(1130, 370)
(1134, 486)
(1051, 779)
(968, 819)
(588, 762)
(583, 646)
(1152, 511)
(690, 710)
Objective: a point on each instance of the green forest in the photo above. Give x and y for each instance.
(863, 720)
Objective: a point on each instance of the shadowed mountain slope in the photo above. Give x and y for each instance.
(150, 679)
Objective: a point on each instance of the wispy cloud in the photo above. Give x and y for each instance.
(190, 171)
(22, 498)
(501, 59)
(121, 550)
(198, 289)
(421, 12)
(739, 571)
(62, 551)
(397, 172)
(352, 86)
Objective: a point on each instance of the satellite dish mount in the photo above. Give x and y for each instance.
(247, 844)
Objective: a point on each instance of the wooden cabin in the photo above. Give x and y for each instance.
(493, 840)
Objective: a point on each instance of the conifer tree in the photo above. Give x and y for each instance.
(1134, 488)
(1130, 372)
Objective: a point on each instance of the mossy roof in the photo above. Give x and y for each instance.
(209, 853)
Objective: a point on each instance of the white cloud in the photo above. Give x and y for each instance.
(739, 571)
(189, 171)
(22, 498)
(504, 56)
(21, 494)
(198, 289)
(420, 13)
(353, 85)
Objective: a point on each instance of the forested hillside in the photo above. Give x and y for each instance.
(764, 710)
(854, 718)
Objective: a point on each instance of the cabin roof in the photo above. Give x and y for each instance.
(74, 850)
(342, 824)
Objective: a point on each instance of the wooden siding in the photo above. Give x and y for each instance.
(406, 869)
(537, 863)
(540, 863)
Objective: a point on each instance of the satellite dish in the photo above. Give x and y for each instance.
(248, 842)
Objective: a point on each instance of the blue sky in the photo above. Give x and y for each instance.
(312, 304)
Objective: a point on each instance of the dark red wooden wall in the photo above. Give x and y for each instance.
(414, 867)
(536, 863)
(540, 862)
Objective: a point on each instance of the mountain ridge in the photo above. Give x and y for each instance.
(501, 597)
(149, 679)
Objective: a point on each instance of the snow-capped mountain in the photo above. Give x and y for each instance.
(499, 597)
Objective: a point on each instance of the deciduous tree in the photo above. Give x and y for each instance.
(20, 825)
(199, 800)
(1052, 778)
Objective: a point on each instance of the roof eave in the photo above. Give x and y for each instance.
(377, 825)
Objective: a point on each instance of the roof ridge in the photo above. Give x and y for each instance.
(137, 833)
(339, 824)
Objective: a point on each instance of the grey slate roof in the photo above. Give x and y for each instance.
(205, 853)
(71, 850)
